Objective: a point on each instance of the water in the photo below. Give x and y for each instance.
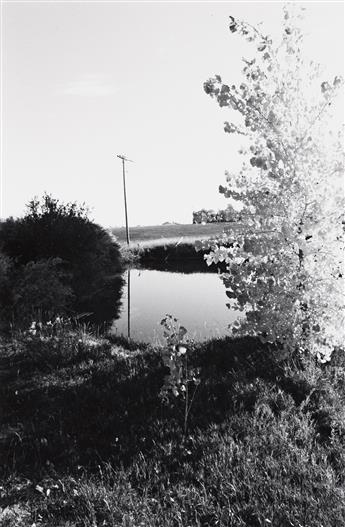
(197, 300)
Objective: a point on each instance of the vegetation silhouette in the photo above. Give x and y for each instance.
(58, 262)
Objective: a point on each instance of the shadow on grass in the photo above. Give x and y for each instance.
(78, 401)
(255, 437)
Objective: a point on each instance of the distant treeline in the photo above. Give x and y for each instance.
(210, 216)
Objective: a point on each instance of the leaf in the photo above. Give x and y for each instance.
(325, 87)
(182, 331)
(233, 24)
(230, 294)
(198, 245)
(209, 87)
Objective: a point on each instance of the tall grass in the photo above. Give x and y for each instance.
(158, 234)
(87, 439)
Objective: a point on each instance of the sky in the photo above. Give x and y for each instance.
(85, 81)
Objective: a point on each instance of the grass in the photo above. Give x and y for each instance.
(175, 233)
(87, 439)
(170, 247)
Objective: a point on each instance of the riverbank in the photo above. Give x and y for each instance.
(170, 247)
(173, 257)
(172, 233)
(89, 437)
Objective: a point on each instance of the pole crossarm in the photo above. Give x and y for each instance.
(124, 158)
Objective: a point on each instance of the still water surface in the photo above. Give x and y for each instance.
(197, 300)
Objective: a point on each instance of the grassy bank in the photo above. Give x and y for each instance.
(174, 257)
(88, 439)
(160, 234)
(180, 257)
(170, 247)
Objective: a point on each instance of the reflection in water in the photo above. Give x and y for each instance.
(102, 301)
(197, 300)
(129, 303)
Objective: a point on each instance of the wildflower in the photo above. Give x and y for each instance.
(175, 391)
(32, 329)
(181, 350)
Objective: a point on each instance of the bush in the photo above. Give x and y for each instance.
(87, 275)
(5, 285)
(178, 257)
(41, 291)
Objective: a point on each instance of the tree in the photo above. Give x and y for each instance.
(285, 269)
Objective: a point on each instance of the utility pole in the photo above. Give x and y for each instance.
(124, 192)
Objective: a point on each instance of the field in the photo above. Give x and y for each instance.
(172, 233)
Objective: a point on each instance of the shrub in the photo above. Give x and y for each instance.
(180, 257)
(41, 292)
(5, 285)
(89, 259)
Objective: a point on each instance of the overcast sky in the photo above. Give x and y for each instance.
(84, 81)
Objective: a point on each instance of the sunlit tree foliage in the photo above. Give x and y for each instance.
(285, 270)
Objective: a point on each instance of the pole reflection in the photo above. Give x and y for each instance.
(129, 303)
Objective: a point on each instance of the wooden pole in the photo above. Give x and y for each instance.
(125, 195)
(125, 198)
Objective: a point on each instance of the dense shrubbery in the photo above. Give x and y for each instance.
(265, 443)
(58, 261)
(174, 257)
(5, 285)
(41, 289)
(180, 257)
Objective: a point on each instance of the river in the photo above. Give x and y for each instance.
(197, 300)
